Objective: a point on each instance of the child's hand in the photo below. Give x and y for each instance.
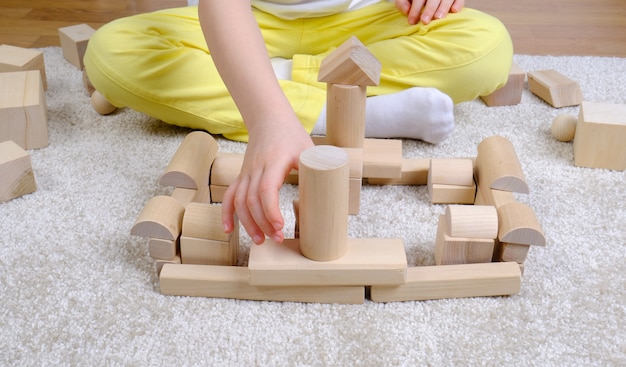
(273, 150)
(427, 10)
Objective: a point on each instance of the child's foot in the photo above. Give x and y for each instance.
(416, 113)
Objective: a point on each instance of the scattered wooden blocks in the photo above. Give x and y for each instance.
(601, 136)
(74, 41)
(451, 181)
(453, 281)
(14, 58)
(16, 172)
(511, 92)
(366, 262)
(554, 88)
(23, 109)
(233, 282)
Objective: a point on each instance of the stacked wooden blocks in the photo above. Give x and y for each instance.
(451, 181)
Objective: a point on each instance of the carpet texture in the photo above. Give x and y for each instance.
(76, 289)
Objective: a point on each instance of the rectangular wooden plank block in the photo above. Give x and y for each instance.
(382, 158)
(554, 88)
(414, 171)
(453, 281)
(367, 262)
(233, 282)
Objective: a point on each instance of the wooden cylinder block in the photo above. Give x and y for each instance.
(191, 164)
(498, 166)
(161, 217)
(519, 225)
(324, 195)
(345, 115)
(472, 221)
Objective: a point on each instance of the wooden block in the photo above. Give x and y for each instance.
(563, 127)
(511, 92)
(204, 221)
(452, 194)
(472, 221)
(226, 169)
(496, 198)
(355, 156)
(74, 41)
(554, 88)
(14, 58)
(160, 263)
(186, 196)
(367, 261)
(518, 224)
(354, 196)
(448, 171)
(460, 250)
(100, 104)
(352, 64)
(601, 136)
(453, 281)
(206, 252)
(345, 115)
(414, 171)
(23, 109)
(498, 167)
(513, 252)
(324, 202)
(161, 217)
(191, 164)
(296, 214)
(382, 158)
(16, 172)
(232, 282)
(217, 193)
(161, 249)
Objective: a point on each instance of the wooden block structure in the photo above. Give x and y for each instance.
(451, 181)
(554, 88)
(17, 177)
(322, 264)
(13, 58)
(23, 109)
(600, 140)
(74, 40)
(511, 92)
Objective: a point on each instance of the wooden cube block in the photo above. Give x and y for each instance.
(460, 250)
(453, 281)
(511, 92)
(382, 158)
(207, 252)
(554, 88)
(459, 172)
(14, 58)
(23, 109)
(233, 282)
(367, 262)
(16, 172)
(74, 41)
(600, 140)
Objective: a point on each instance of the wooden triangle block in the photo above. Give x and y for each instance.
(351, 64)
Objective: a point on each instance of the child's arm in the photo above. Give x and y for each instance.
(276, 136)
(427, 10)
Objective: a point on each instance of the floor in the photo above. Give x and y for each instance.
(537, 27)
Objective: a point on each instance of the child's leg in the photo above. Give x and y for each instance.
(158, 63)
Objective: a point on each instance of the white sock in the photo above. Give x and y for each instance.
(282, 68)
(415, 113)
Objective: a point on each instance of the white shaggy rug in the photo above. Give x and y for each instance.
(76, 289)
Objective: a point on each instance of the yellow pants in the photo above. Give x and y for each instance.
(158, 63)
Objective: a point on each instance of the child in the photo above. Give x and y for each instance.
(259, 83)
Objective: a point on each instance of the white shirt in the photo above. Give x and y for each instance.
(294, 9)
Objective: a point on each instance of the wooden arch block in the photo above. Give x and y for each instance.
(498, 166)
(161, 217)
(519, 225)
(191, 164)
(351, 64)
